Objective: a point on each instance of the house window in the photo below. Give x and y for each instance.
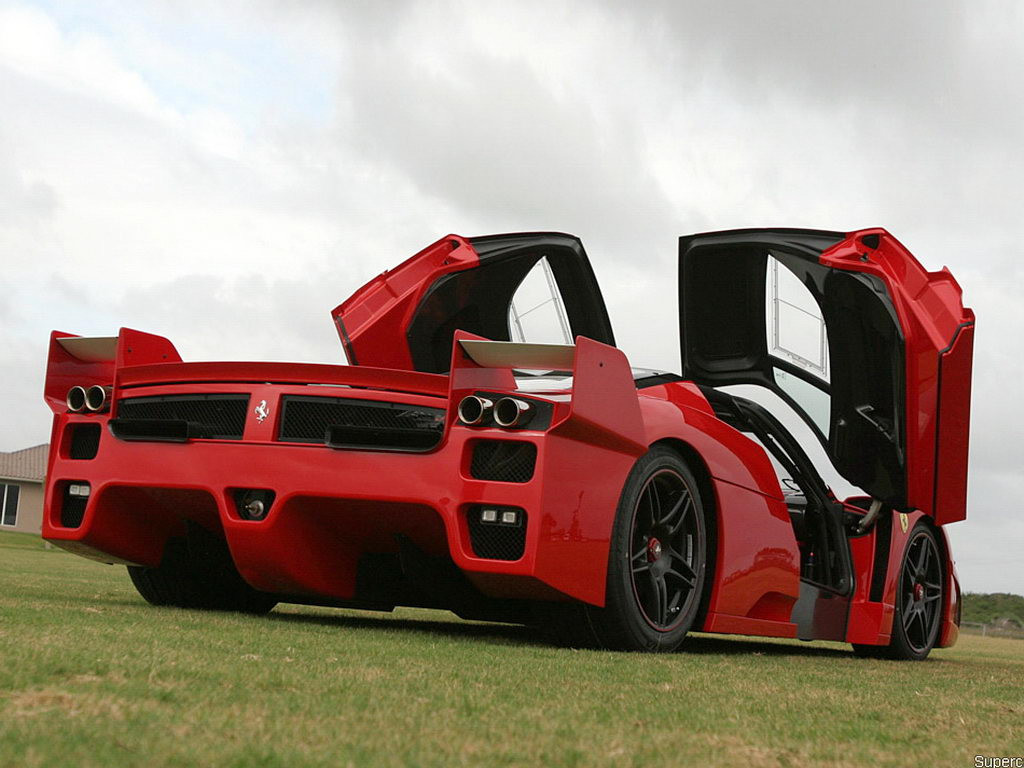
(9, 501)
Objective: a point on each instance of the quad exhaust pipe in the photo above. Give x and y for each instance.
(508, 412)
(511, 412)
(76, 399)
(474, 410)
(95, 399)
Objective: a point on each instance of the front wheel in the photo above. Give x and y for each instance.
(919, 600)
(658, 559)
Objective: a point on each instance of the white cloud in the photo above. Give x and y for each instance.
(224, 175)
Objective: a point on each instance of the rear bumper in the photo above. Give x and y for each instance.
(331, 507)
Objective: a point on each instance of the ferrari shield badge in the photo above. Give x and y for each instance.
(904, 520)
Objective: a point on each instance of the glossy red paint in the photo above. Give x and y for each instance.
(870, 623)
(867, 618)
(950, 629)
(64, 370)
(758, 566)
(757, 557)
(283, 373)
(332, 506)
(372, 323)
(143, 493)
(938, 332)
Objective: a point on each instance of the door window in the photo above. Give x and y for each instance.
(796, 330)
(798, 342)
(536, 313)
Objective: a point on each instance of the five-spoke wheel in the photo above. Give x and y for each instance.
(919, 600)
(665, 539)
(657, 562)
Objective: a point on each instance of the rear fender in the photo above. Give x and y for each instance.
(757, 561)
(583, 459)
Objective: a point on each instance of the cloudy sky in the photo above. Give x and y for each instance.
(225, 173)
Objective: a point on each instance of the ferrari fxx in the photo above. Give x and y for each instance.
(488, 450)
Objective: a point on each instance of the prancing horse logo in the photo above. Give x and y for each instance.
(261, 411)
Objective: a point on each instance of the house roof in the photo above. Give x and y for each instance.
(26, 464)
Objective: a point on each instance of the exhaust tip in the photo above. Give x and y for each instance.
(97, 398)
(511, 412)
(253, 503)
(473, 410)
(76, 399)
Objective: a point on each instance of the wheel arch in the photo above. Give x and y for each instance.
(949, 627)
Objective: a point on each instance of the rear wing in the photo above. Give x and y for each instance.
(133, 359)
(604, 408)
(89, 360)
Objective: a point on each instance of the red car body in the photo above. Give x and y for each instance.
(360, 485)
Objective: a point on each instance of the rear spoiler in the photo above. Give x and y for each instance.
(135, 359)
(604, 408)
(86, 360)
(510, 354)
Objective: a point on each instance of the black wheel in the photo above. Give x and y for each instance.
(919, 600)
(918, 615)
(657, 562)
(197, 572)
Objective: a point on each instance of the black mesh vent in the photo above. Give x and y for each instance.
(85, 441)
(883, 534)
(219, 417)
(496, 541)
(72, 509)
(504, 460)
(365, 424)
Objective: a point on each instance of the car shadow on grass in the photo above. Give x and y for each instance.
(455, 629)
(523, 635)
(701, 644)
(515, 634)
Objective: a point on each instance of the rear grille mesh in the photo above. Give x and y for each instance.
(215, 416)
(496, 542)
(85, 441)
(366, 424)
(72, 509)
(509, 461)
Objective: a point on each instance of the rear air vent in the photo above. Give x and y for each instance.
(85, 441)
(508, 461)
(72, 504)
(360, 424)
(180, 417)
(497, 533)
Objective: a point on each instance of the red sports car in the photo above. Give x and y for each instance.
(489, 451)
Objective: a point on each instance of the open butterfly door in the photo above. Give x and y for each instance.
(869, 348)
(495, 287)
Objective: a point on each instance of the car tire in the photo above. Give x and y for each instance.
(197, 572)
(657, 563)
(920, 593)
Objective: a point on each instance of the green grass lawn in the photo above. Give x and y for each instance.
(91, 675)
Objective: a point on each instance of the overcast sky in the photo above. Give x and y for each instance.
(225, 173)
